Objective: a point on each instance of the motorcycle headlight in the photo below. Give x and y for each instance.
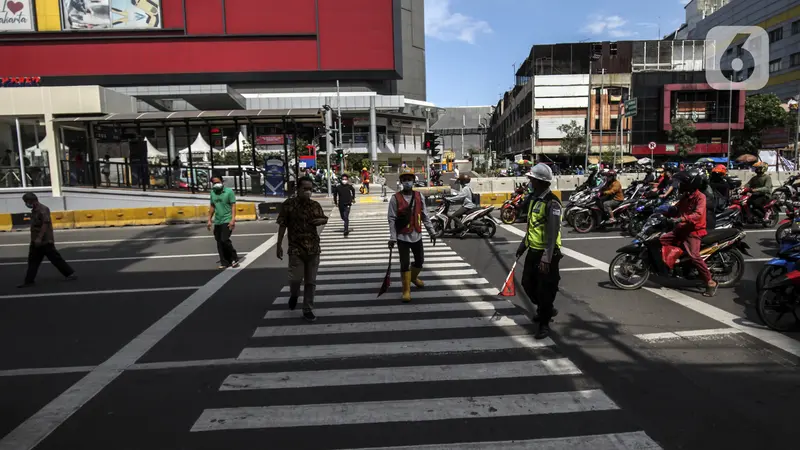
(639, 208)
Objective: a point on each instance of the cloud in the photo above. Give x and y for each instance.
(444, 24)
(613, 26)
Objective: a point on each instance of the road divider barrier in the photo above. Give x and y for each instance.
(121, 217)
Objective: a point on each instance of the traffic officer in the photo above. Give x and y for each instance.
(540, 275)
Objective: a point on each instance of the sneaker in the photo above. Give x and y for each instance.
(309, 315)
(292, 303)
(235, 264)
(222, 266)
(346, 233)
(71, 277)
(543, 333)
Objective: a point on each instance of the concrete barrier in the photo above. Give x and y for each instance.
(5, 222)
(120, 217)
(180, 214)
(149, 216)
(245, 211)
(90, 218)
(63, 219)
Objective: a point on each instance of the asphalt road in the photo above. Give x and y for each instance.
(153, 347)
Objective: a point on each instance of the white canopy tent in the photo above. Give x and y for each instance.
(37, 149)
(199, 148)
(244, 144)
(152, 152)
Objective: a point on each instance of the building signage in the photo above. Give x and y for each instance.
(273, 177)
(20, 81)
(15, 15)
(271, 139)
(110, 14)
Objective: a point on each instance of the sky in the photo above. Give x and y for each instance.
(471, 46)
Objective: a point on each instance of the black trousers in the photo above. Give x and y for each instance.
(227, 254)
(344, 211)
(405, 248)
(541, 288)
(37, 254)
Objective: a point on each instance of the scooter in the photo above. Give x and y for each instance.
(791, 224)
(741, 201)
(721, 249)
(786, 261)
(782, 296)
(478, 221)
(510, 211)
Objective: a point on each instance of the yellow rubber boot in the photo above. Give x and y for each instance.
(406, 286)
(415, 277)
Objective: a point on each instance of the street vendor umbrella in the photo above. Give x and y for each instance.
(387, 280)
(747, 158)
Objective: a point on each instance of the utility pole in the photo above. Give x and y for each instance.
(797, 132)
(589, 120)
(533, 110)
(463, 125)
(427, 152)
(328, 146)
(602, 89)
(339, 113)
(730, 119)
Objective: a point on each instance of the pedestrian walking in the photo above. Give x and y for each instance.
(542, 241)
(43, 243)
(344, 195)
(300, 216)
(407, 214)
(222, 216)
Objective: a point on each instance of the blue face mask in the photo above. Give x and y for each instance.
(408, 185)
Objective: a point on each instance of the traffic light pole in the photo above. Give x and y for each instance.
(427, 152)
(328, 147)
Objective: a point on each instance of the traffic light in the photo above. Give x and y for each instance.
(339, 154)
(431, 143)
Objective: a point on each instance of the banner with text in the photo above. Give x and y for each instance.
(16, 15)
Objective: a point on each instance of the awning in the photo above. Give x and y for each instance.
(181, 116)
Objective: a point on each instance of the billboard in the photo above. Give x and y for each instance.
(16, 15)
(110, 14)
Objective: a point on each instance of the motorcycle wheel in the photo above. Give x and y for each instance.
(622, 260)
(736, 272)
(782, 300)
(569, 216)
(774, 219)
(779, 195)
(508, 216)
(783, 232)
(489, 231)
(583, 222)
(767, 274)
(438, 228)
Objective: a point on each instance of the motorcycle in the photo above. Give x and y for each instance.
(478, 221)
(786, 261)
(787, 192)
(791, 224)
(741, 199)
(781, 295)
(510, 211)
(575, 202)
(721, 249)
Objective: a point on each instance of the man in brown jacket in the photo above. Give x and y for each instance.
(613, 192)
(42, 242)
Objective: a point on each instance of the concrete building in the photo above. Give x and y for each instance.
(780, 18)
(463, 130)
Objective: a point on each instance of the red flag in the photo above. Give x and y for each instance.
(387, 280)
(509, 289)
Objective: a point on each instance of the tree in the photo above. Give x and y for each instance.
(574, 141)
(683, 136)
(762, 112)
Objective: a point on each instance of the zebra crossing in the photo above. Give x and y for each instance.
(457, 368)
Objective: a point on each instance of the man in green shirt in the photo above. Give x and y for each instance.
(222, 215)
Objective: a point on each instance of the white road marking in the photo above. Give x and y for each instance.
(453, 293)
(338, 351)
(379, 275)
(361, 262)
(618, 441)
(386, 375)
(36, 428)
(414, 410)
(671, 335)
(576, 269)
(413, 308)
(107, 292)
(114, 241)
(777, 340)
(395, 267)
(45, 371)
(396, 325)
(380, 253)
(125, 258)
(362, 286)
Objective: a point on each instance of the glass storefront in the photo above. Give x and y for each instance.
(24, 157)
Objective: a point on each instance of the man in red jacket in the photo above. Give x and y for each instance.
(690, 224)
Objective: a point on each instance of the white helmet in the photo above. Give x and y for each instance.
(541, 172)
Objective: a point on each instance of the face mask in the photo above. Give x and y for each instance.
(345, 181)
(217, 186)
(305, 195)
(408, 185)
(29, 205)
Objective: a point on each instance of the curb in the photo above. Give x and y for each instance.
(122, 217)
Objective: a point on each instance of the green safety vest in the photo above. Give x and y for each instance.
(537, 223)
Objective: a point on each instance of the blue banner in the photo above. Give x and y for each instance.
(273, 177)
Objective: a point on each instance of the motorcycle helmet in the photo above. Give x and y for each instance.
(464, 179)
(690, 180)
(611, 174)
(592, 167)
(760, 167)
(720, 169)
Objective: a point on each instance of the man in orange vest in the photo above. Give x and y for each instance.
(407, 215)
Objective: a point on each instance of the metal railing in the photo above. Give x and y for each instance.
(11, 176)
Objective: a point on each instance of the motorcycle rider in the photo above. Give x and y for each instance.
(407, 214)
(592, 180)
(542, 240)
(613, 194)
(650, 177)
(761, 186)
(465, 197)
(719, 181)
(690, 224)
(435, 175)
(668, 185)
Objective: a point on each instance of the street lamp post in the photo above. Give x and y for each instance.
(730, 119)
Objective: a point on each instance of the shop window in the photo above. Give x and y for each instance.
(775, 65)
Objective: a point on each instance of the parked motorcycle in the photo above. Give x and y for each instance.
(785, 226)
(782, 297)
(478, 221)
(721, 249)
(786, 261)
(510, 211)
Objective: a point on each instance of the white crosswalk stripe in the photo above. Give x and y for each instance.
(374, 373)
